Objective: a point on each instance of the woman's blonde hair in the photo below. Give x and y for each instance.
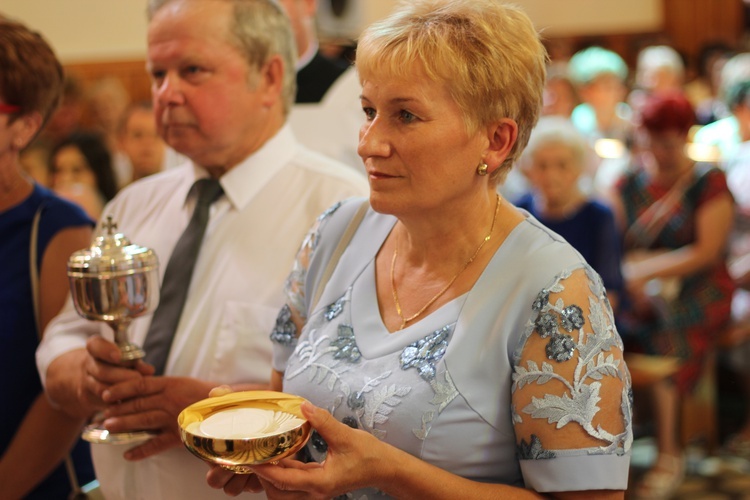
(488, 55)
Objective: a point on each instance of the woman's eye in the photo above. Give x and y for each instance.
(406, 117)
(369, 113)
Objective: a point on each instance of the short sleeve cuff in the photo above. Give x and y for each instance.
(577, 473)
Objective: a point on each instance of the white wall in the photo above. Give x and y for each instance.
(555, 17)
(82, 30)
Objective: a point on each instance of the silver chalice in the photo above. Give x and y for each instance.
(114, 281)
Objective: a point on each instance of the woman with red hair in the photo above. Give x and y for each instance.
(676, 216)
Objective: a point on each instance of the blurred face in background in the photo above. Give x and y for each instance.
(666, 148)
(69, 166)
(301, 13)
(140, 142)
(559, 98)
(553, 170)
(604, 92)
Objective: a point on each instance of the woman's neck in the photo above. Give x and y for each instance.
(424, 242)
(15, 186)
(668, 175)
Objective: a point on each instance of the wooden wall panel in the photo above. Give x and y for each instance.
(690, 24)
(131, 73)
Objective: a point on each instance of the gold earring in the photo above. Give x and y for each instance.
(482, 169)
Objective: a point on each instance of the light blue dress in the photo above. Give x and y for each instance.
(480, 386)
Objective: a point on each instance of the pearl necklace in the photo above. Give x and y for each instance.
(414, 316)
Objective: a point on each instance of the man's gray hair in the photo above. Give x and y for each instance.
(260, 29)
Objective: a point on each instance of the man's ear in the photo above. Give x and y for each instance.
(502, 136)
(272, 80)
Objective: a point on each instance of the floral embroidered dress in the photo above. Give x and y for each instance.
(520, 381)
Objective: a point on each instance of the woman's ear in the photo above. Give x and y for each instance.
(24, 128)
(502, 136)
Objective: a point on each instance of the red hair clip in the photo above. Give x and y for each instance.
(9, 108)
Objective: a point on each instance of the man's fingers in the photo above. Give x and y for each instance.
(133, 387)
(217, 477)
(134, 405)
(147, 420)
(104, 350)
(159, 443)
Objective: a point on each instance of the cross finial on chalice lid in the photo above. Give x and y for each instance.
(109, 225)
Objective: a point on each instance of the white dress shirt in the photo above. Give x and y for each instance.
(332, 126)
(254, 231)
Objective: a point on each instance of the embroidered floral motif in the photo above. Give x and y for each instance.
(533, 450)
(546, 324)
(425, 353)
(329, 211)
(596, 359)
(346, 345)
(334, 309)
(285, 331)
(572, 318)
(445, 392)
(560, 348)
(540, 301)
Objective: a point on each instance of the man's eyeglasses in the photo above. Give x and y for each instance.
(9, 108)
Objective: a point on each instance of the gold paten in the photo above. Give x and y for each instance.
(238, 455)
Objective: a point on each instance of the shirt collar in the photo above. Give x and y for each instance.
(247, 178)
(243, 182)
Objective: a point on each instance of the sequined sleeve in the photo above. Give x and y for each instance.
(571, 390)
(293, 314)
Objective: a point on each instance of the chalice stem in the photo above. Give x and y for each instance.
(130, 351)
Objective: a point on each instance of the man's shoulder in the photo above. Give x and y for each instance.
(164, 181)
(316, 165)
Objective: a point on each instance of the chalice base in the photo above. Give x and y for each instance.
(96, 433)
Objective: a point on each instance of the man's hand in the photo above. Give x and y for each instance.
(151, 403)
(104, 368)
(77, 379)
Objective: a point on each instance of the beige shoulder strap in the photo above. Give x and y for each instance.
(343, 243)
(33, 269)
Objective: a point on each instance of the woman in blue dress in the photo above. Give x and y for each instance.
(34, 436)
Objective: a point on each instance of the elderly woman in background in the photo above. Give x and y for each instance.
(553, 163)
(459, 348)
(34, 437)
(676, 216)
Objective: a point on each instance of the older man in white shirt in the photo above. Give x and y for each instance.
(223, 84)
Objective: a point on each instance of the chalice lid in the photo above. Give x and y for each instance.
(111, 255)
